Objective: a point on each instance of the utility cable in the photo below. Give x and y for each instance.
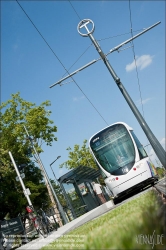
(106, 37)
(78, 58)
(60, 60)
(135, 60)
(117, 35)
(74, 10)
(41, 35)
(136, 66)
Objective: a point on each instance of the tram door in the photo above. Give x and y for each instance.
(90, 199)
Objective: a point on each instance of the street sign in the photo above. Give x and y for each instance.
(22, 176)
(11, 227)
(27, 191)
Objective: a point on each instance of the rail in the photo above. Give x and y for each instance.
(161, 189)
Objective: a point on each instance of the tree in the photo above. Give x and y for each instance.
(12, 199)
(79, 156)
(15, 113)
(59, 193)
(161, 172)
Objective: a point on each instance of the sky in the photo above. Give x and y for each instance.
(40, 43)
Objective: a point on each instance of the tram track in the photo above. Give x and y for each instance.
(160, 187)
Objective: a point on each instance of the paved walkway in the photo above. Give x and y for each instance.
(41, 242)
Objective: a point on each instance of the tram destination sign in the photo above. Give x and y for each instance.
(12, 227)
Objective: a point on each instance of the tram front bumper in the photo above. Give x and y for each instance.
(137, 182)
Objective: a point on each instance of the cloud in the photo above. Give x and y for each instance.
(141, 62)
(143, 101)
(77, 99)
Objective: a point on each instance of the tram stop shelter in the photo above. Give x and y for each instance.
(78, 190)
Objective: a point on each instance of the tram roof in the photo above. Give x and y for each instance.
(80, 173)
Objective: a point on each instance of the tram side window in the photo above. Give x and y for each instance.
(141, 150)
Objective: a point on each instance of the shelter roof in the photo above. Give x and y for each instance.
(80, 173)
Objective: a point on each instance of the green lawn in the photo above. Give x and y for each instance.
(129, 226)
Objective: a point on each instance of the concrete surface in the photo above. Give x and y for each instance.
(41, 242)
(93, 214)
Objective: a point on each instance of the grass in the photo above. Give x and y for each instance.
(138, 224)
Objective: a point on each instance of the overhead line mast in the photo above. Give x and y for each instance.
(112, 50)
(158, 149)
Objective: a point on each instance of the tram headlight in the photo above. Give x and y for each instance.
(139, 165)
(125, 170)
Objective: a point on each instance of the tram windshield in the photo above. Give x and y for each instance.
(113, 148)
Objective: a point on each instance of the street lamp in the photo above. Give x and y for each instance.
(55, 159)
(52, 169)
(59, 205)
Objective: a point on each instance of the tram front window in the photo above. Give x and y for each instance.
(114, 148)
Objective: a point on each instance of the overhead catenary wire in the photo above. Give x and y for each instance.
(67, 71)
(78, 59)
(131, 30)
(60, 61)
(102, 38)
(156, 145)
(136, 67)
(112, 50)
(74, 10)
(123, 34)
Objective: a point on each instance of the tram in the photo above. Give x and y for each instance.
(122, 159)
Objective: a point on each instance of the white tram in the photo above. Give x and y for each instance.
(123, 161)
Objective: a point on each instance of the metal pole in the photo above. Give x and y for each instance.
(69, 203)
(112, 50)
(20, 179)
(64, 192)
(75, 72)
(47, 178)
(54, 174)
(158, 149)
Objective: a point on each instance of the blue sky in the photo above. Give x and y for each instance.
(29, 66)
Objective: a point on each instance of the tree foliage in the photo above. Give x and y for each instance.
(161, 172)
(59, 193)
(79, 156)
(15, 114)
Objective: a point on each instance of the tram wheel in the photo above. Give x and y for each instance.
(115, 200)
